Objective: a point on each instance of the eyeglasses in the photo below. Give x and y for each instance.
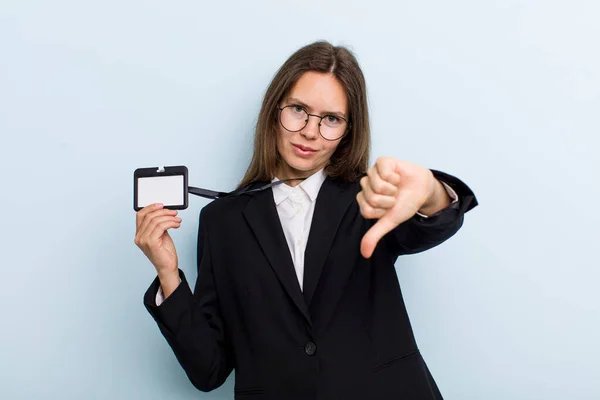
(294, 118)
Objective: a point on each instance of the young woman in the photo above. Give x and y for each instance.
(296, 287)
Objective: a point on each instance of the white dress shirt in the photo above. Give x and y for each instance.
(295, 207)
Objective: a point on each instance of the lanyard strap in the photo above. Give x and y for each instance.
(211, 194)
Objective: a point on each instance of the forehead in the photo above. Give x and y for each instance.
(321, 92)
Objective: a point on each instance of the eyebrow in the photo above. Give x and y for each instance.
(303, 104)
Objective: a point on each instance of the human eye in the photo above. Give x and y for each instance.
(297, 109)
(332, 120)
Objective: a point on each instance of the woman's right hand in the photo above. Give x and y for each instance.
(151, 236)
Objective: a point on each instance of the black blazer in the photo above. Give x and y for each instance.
(346, 336)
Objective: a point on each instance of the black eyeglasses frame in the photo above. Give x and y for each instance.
(348, 125)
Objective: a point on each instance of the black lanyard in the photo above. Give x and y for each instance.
(211, 194)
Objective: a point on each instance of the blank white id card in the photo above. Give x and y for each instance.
(166, 185)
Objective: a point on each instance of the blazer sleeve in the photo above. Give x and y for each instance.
(192, 323)
(422, 233)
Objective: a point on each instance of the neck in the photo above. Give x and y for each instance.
(291, 173)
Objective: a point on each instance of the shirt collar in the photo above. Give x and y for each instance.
(310, 185)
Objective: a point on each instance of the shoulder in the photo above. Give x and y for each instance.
(345, 185)
(220, 209)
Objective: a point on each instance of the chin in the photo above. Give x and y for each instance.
(298, 164)
(301, 166)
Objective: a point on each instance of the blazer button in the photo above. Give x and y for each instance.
(310, 348)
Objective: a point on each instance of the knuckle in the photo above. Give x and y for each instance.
(359, 199)
(364, 183)
(374, 201)
(370, 215)
(361, 203)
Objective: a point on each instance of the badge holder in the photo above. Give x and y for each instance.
(169, 186)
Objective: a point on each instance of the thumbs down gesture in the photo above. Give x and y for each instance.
(394, 191)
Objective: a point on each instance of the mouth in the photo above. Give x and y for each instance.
(304, 148)
(303, 151)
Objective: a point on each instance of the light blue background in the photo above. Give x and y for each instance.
(504, 94)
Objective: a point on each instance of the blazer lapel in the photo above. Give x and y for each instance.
(332, 202)
(261, 215)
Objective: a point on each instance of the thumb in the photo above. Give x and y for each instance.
(369, 241)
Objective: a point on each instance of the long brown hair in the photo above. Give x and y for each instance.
(351, 157)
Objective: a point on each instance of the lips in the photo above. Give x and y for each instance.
(303, 148)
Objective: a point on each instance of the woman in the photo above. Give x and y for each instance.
(296, 284)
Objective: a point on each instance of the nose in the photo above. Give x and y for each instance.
(311, 130)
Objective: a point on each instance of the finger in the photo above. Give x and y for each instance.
(155, 221)
(374, 199)
(374, 235)
(407, 205)
(379, 185)
(155, 214)
(368, 211)
(145, 235)
(387, 170)
(161, 228)
(140, 215)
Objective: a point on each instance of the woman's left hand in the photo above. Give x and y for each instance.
(394, 191)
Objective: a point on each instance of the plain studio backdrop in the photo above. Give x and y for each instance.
(503, 94)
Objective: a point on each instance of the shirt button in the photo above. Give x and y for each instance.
(310, 348)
